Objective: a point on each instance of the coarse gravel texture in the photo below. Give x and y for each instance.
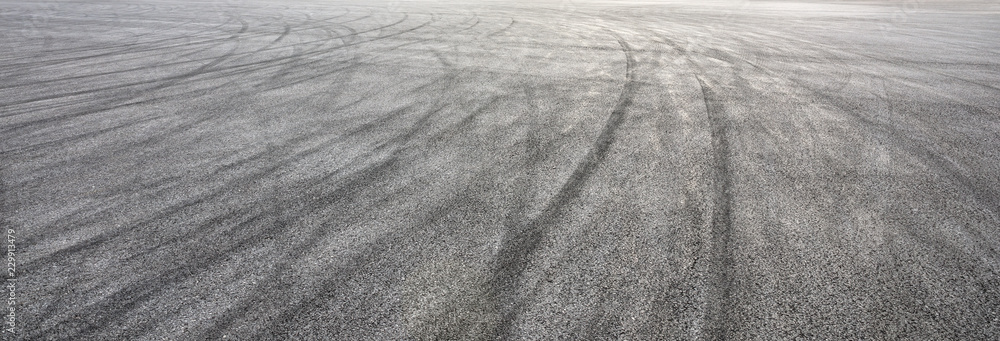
(429, 170)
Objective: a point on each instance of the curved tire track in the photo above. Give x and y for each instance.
(522, 242)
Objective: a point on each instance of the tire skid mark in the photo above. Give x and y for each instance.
(204, 68)
(399, 140)
(52, 63)
(159, 84)
(215, 194)
(721, 261)
(178, 208)
(344, 38)
(238, 57)
(348, 39)
(238, 312)
(83, 136)
(504, 29)
(190, 52)
(169, 81)
(916, 146)
(288, 29)
(694, 203)
(216, 60)
(134, 296)
(296, 56)
(920, 148)
(522, 241)
(244, 26)
(984, 195)
(719, 257)
(357, 263)
(187, 44)
(99, 108)
(235, 71)
(50, 53)
(61, 60)
(476, 17)
(122, 71)
(8, 131)
(828, 49)
(275, 84)
(162, 82)
(108, 236)
(394, 115)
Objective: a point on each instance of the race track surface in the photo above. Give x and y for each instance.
(188, 170)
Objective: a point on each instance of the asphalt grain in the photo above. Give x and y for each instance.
(350, 170)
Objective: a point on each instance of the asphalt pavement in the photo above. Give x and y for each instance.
(462, 170)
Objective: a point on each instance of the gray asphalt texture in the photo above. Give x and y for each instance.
(185, 170)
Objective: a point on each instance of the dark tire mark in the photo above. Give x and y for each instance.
(721, 263)
(471, 26)
(984, 195)
(504, 29)
(139, 49)
(522, 242)
(288, 29)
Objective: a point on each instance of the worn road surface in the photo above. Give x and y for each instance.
(188, 170)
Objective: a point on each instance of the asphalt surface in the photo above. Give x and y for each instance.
(494, 170)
